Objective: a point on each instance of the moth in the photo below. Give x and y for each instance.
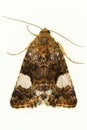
(44, 76)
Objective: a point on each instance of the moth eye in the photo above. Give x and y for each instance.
(48, 31)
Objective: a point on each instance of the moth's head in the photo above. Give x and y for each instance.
(44, 30)
(44, 36)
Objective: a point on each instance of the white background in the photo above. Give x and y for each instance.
(68, 17)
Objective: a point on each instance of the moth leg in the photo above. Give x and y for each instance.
(64, 53)
(18, 52)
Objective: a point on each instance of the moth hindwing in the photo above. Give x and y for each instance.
(44, 76)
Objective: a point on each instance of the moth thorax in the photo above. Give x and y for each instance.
(44, 41)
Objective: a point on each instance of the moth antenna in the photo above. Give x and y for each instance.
(18, 52)
(30, 31)
(65, 38)
(63, 51)
(23, 22)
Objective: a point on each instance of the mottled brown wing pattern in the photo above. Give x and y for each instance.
(44, 77)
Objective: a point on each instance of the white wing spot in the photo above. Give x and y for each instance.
(24, 81)
(38, 93)
(49, 92)
(64, 80)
